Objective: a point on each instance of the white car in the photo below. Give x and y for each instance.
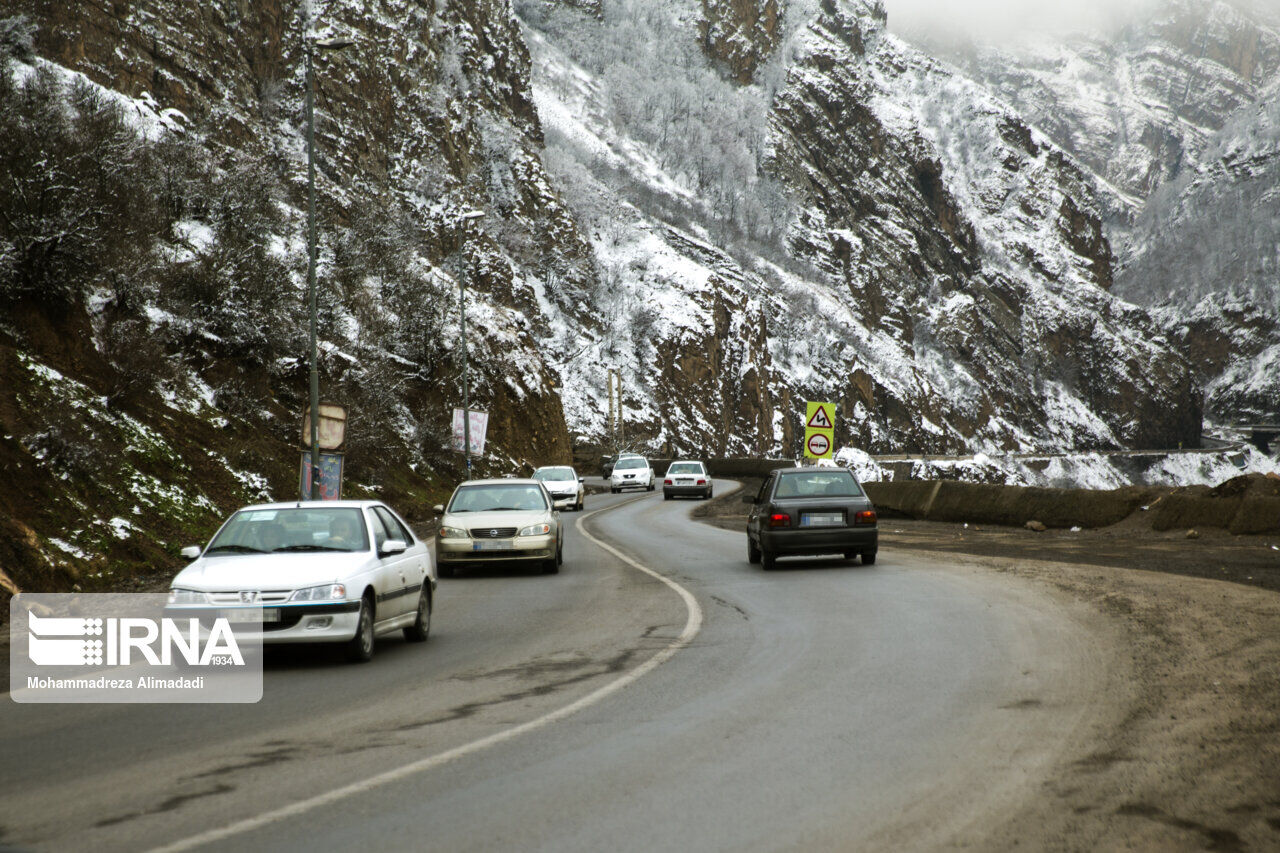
(631, 472)
(489, 521)
(563, 484)
(322, 572)
(686, 477)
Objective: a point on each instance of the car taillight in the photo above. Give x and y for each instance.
(867, 516)
(701, 482)
(779, 519)
(666, 482)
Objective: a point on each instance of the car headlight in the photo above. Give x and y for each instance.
(178, 595)
(536, 530)
(328, 592)
(452, 533)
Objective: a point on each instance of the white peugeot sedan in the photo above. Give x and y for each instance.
(322, 572)
(490, 521)
(563, 484)
(631, 472)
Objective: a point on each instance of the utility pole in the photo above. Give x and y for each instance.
(466, 390)
(309, 42)
(462, 322)
(311, 267)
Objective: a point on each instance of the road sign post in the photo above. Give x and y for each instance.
(819, 430)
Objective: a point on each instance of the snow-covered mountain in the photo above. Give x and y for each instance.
(1178, 112)
(884, 231)
(1139, 103)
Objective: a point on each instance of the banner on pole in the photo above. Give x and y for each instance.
(330, 476)
(479, 426)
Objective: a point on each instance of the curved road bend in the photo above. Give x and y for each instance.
(825, 705)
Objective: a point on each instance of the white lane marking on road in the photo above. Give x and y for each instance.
(691, 628)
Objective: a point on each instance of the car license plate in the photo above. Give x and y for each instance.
(249, 614)
(821, 519)
(491, 545)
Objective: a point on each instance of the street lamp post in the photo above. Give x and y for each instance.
(462, 322)
(327, 44)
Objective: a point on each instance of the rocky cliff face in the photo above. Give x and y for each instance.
(741, 34)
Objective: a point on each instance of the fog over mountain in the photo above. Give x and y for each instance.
(1006, 21)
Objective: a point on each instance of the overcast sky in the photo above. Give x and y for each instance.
(1001, 20)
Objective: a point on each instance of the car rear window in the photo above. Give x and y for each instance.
(685, 468)
(819, 483)
(497, 497)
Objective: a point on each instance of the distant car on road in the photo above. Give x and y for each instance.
(686, 477)
(331, 572)
(506, 520)
(802, 511)
(563, 484)
(631, 472)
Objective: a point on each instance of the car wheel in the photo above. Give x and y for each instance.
(768, 560)
(868, 558)
(650, 489)
(666, 496)
(580, 503)
(753, 553)
(612, 490)
(849, 555)
(707, 496)
(421, 627)
(360, 647)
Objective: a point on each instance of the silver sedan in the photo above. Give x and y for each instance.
(490, 521)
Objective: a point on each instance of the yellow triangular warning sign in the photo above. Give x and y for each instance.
(819, 419)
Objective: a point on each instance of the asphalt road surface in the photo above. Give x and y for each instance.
(827, 705)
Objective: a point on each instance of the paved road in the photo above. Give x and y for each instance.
(826, 705)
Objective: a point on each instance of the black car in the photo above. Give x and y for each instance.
(811, 511)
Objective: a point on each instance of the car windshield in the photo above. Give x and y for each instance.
(275, 531)
(497, 497)
(554, 474)
(804, 484)
(632, 462)
(685, 468)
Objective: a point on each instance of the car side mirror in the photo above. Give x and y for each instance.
(438, 509)
(582, 479)
(392, 546)
(748, 499)
(191, 552)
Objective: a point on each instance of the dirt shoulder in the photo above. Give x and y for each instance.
(1194, 760)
